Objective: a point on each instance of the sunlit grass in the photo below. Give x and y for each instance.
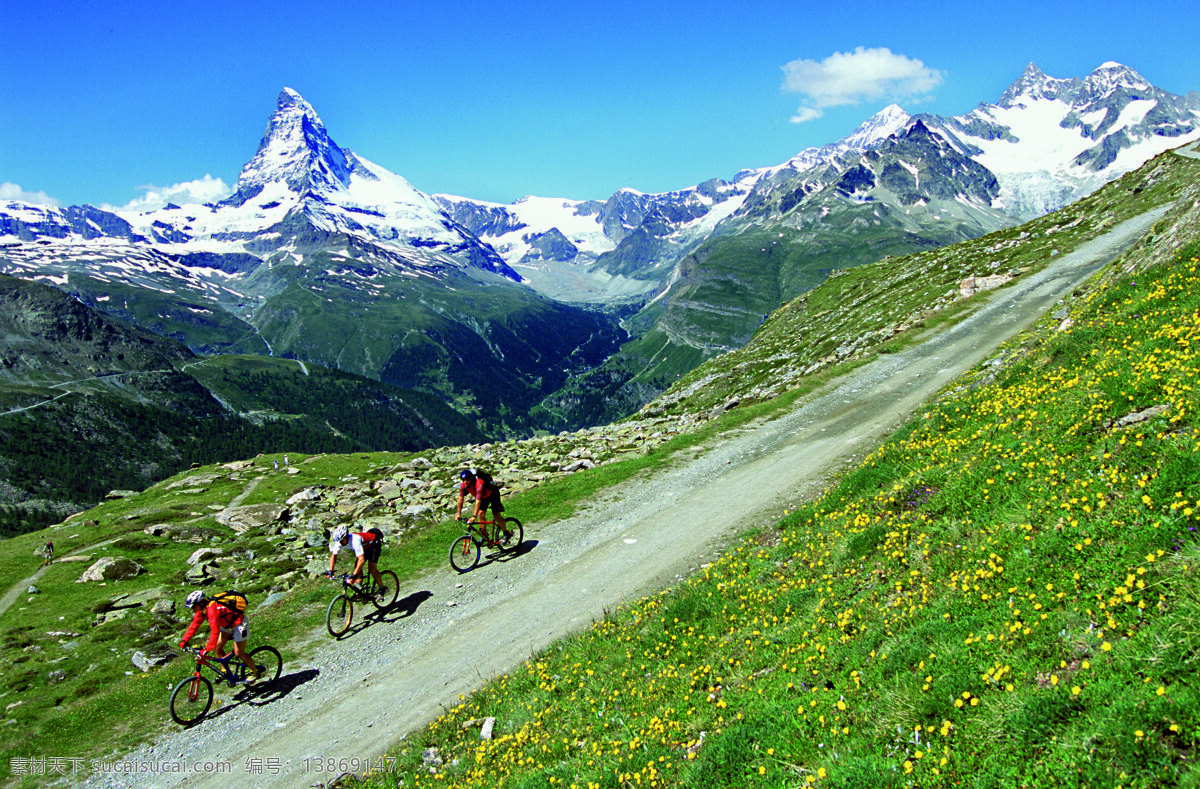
(1005, 594)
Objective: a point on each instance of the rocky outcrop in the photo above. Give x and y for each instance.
(112, 568)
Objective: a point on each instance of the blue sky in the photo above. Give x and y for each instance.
(106, 103)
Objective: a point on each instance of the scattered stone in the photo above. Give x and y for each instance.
(485, 732)
(112, 568)
(202, 554)
(152, 659)
(252, 515)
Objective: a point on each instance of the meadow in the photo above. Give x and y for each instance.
(1004, 594)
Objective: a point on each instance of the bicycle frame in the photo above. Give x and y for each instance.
(233, 674)
(481, 527)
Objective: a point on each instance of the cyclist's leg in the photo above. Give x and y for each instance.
(374, 568)
(371, 553)
(498, 515)
(240, 633)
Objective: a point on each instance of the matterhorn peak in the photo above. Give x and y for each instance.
(297, 150)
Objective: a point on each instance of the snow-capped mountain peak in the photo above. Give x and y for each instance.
(296, 150)
(878, 127)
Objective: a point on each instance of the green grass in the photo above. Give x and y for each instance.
(1004, 594)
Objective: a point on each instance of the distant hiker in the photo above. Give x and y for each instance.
(487, 496)
(277, 465)
(285, 463)
(224, 622)
(48, 553)
(367, 546)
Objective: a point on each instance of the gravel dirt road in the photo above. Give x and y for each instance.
(448, 634)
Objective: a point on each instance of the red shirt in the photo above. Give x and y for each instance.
(480, 490)
(219, 616)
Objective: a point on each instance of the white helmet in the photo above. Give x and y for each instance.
(340, 533)
(195, 598)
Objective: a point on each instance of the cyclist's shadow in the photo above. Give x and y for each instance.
(258, 697)
(401, 609)
(506, 556)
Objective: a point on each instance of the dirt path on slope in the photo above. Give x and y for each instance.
(448, 634)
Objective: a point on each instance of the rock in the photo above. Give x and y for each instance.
(120, 494)
(131, 600)
(201, 554)
(56, 676)
(485, 732)
(198, 575)
(308, 494)
(148, 660)
(164, 606)
(271, 599)
(33, 590)
(416, 512)
(112, 568)
(431, 758)
(247, 517)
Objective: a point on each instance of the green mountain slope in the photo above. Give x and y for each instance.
(1004, 594)
(89, 404)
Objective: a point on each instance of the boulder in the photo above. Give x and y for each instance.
(152, 658)
(112, 568)
(252, 515)
(202, 554)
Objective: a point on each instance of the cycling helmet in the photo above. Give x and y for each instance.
(467, 473)
(340, 533)
(195, 598)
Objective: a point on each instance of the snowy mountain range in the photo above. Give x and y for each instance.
(322, 255)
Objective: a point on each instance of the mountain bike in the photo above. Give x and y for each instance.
(341, 609)
(192, 697)
(466, 550)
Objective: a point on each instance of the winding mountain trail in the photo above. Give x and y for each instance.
(448, 634)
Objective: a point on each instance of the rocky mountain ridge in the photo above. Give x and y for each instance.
(321, 255)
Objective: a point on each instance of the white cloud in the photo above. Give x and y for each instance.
(11, 191)
(203, 190)
(854, 77)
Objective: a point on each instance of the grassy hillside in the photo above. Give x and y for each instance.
(869, 309)
(1005, 594)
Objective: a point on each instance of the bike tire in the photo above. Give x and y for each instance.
(464, 553)
(270, 661)
(191, 699)
(340, 615)
(391, 590)
(518, 535)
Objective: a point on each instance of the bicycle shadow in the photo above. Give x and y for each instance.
(260, 697)
(401, 609)
(506, 556)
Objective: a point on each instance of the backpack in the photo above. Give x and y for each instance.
(232, 600)
(489, 483)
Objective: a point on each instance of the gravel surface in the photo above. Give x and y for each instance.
(450, 633)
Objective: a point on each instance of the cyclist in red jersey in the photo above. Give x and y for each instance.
(487, 496)
(223, 623)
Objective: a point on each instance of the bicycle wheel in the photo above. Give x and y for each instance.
(384, 596)
(191, 699)
(270, 662)
(339, 615)
(516, 538)
(464, 553)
